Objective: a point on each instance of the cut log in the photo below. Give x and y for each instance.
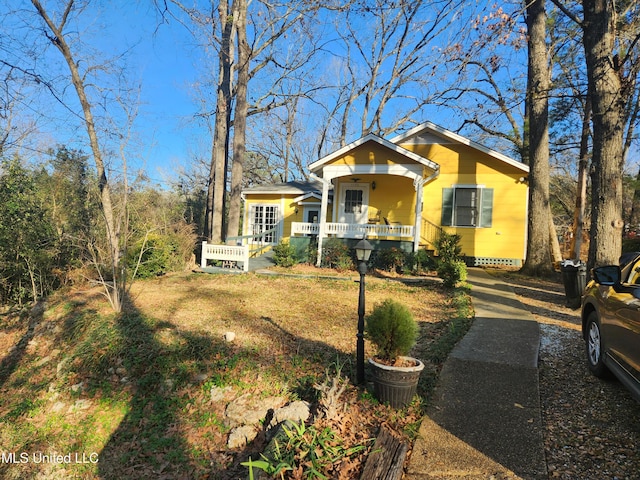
(386, 460)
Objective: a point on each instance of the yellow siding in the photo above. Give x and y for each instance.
(285, 204)
(461, 165)
(371, 153)
(394, 197)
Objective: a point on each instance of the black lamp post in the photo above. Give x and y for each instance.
(363, 252)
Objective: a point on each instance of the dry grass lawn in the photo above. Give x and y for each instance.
(134, 390)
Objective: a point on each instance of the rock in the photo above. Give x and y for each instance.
(218, 394)
(241, 436)
(61, 366)
(296, 412)
(42, 361)
(121, 370)
(58, 407)
(250, 410)
(201, 377)
(83, 404)
(77, 387)
(229, 336)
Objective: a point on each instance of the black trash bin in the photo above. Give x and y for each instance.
(574, 278)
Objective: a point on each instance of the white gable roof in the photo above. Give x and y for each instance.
(430, 133)
(317, 165)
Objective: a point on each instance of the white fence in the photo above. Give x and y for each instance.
(225, 253)
(353, 230)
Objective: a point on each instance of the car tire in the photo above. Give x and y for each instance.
(594, 347)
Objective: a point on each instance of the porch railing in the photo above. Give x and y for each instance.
(353, 230)
(430, 233)
(257, 242)
(225, 253)
(237, 250)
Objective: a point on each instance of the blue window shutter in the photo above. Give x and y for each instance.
(447, 207)
(486, 214)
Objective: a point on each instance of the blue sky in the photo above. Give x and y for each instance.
(160, 60)
(165, 61)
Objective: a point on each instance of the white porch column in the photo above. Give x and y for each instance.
(323, 218)
(418, 183)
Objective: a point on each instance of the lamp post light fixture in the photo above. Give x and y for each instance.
(363, 252)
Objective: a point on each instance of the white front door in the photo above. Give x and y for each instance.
(354, 203)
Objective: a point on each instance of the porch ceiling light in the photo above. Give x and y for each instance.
(363, 250)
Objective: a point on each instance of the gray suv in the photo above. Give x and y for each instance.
(611, 322)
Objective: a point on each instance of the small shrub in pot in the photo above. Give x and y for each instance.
(392, 329)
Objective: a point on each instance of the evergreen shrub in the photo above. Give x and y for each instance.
(336, 254)
(450, 267)
(392, 329)
(391, 259)
(284, 254)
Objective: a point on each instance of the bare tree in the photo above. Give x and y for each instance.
(57, 32)
(242, 61)
(15, 129)
(605, 87)
(394, 61)
(240, 117)
(610, 37)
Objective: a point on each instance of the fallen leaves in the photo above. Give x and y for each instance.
(592, 426)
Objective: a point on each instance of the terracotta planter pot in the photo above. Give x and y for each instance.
(395, 385)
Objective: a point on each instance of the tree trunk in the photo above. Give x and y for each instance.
(554, 243)
(608, 126)
(239, 119)
(220, 149)
(634, 217)
(581, 197)
(538, 261)
(116, 292)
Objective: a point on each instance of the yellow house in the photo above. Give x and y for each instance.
(402, 192)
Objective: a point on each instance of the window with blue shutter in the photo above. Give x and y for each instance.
(447, 207)
(486, 211)
(467, 207)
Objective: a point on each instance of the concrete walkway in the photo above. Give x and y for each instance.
(485, 420)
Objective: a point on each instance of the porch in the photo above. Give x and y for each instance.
(428, 235)
(354, 230)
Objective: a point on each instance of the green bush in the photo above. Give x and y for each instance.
(284, 254)
(336, 254)
(630, 245)
(392, 329)
(452, 272)
(450, 267)
(420, 261)
(151, 257)
(448, 246)
(391, 259)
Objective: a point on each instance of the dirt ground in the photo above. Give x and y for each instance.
(592, 426)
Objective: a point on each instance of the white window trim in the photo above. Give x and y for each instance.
(473, 186)
(277, 235)
(365, 199)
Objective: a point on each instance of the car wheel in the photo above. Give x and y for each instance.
(594, 347)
